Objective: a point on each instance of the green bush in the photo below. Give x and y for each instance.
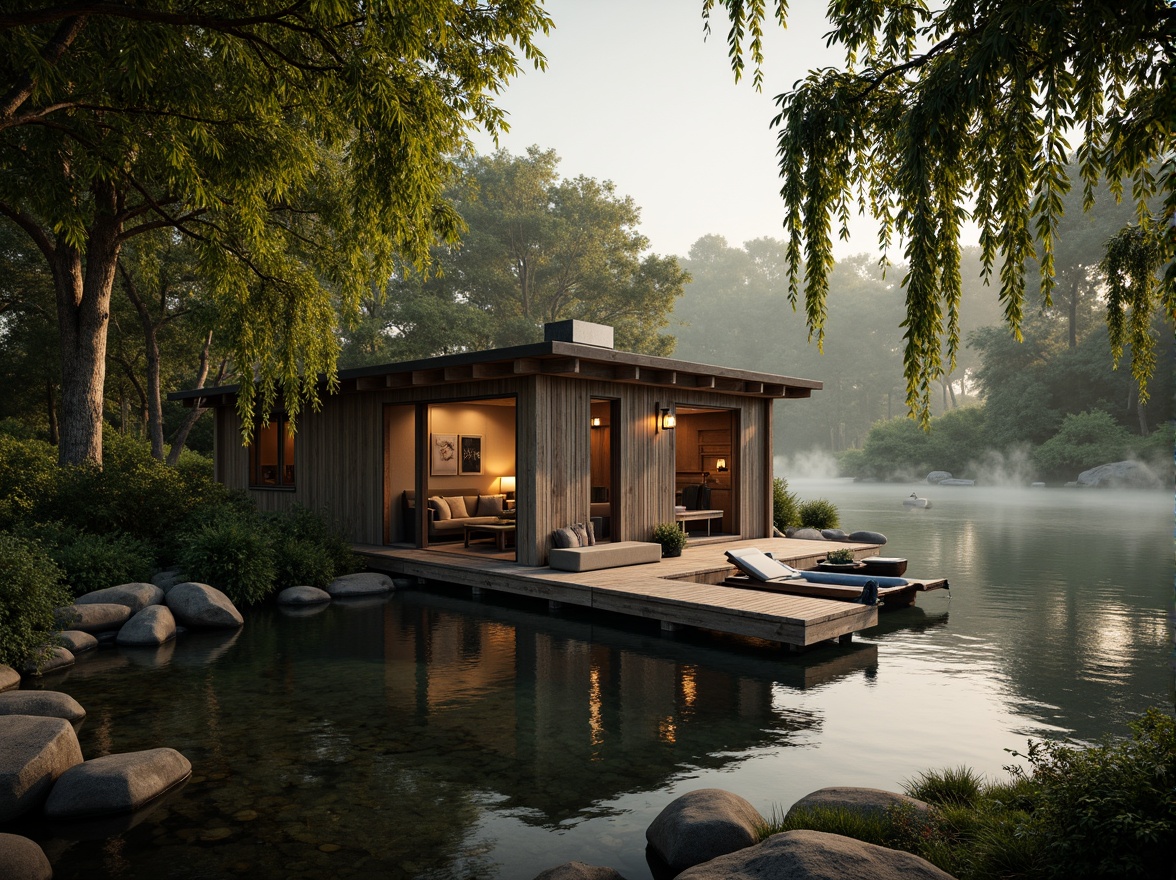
(819, 514)
(671, 537)
(233, 554)
(1085, 440)
(309, 549)
(94, 562)
(785, 505)
(30, 588)
(27, 472)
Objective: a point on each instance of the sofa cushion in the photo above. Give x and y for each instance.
(490, 505)
(457, 506)
(581, 534)
(441, 507)
(565, 538)
(604, 556)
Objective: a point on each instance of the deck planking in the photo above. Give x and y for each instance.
(682, 591)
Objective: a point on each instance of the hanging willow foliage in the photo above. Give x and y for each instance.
(976, 104)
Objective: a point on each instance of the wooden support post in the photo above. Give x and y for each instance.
(476, 592)
(845, 639)
(552, 605)
(668, 627)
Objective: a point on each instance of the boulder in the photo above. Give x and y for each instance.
(816, 855)
(93, 617)
(52, 659)
(867, 537)
(9, 677)
(75, 641)
(938, 476)
(701, 825)
(808, 534)
(136, 596)
(833, 534)
(165, 580)
(1121, 475)
(201, 605)
(116, 783)
(34, 751)
(46, 704)
(22, 859)
(579, 871)
(303, 596)
(364, 583)
(152, 626)
(866, 801)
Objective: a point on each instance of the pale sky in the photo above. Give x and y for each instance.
(634, 95)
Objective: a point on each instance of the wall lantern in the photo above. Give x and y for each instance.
(596, 421)
(666, 420)
(721, 465)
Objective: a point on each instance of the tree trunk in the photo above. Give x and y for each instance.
(197, 410)
(83, 317)
(154, 407)
(51, 407)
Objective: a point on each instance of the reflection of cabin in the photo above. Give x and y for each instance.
(562, 431)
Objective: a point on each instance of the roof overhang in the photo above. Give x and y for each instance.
(553, 358)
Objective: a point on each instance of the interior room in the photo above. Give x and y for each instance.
(470, 471)
(705, 466)
(603, 471)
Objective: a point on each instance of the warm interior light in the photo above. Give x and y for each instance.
(596, 421)
(506, 485)
(721, 465)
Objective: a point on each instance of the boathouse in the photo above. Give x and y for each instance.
(568, 430)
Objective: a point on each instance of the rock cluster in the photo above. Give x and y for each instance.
(711, 834)
(861, 537)
(1120, 475)
(348, 586)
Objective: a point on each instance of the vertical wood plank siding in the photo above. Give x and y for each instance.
(340, 457)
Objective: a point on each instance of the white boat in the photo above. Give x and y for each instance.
(916, 502)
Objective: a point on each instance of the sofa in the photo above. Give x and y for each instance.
(443, 526)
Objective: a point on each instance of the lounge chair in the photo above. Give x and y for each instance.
(759, 566)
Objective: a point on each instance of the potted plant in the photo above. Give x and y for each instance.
(671, 537)
(840, 559)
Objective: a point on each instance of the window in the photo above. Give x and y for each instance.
(271, 455)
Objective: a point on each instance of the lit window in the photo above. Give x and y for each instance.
(271, 455)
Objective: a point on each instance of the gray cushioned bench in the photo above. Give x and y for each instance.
(600, 556)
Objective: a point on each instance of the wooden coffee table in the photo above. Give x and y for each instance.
(498, 531)
(685, 516)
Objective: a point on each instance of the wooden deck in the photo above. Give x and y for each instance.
(686, 591)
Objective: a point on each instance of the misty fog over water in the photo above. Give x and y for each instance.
(432, 734)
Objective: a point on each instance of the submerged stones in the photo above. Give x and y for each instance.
(94, 617)
(579, 871)
(303, 596)
(45, 704)
(701, 825)
(201, 605)
(135, 596)
(116, 783)
(22, 859)
(150, 627)
(34, 752)
(815, 855)
(364, 583)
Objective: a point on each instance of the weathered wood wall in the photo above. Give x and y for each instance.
(340, 457)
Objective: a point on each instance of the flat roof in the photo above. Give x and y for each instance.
(551, 358)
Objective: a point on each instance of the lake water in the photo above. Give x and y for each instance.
(432, 735)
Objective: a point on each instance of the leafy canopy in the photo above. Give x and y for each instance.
(300, 146)
(945, 105)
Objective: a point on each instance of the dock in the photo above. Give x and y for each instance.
(683, 591)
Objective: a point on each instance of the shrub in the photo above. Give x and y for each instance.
(309, 549)
(819, 514)
(840, 556)
(671, 537)
(233, 554)
(1085, 440)
(785, 505)
(30, 588)
(94, 562)
(960, 786)
(27, 471)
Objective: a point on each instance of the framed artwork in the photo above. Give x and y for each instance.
(471, 454)
(443, 455)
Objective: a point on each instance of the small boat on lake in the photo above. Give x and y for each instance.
(916, 503)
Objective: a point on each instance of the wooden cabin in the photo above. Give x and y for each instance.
(569, 430)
